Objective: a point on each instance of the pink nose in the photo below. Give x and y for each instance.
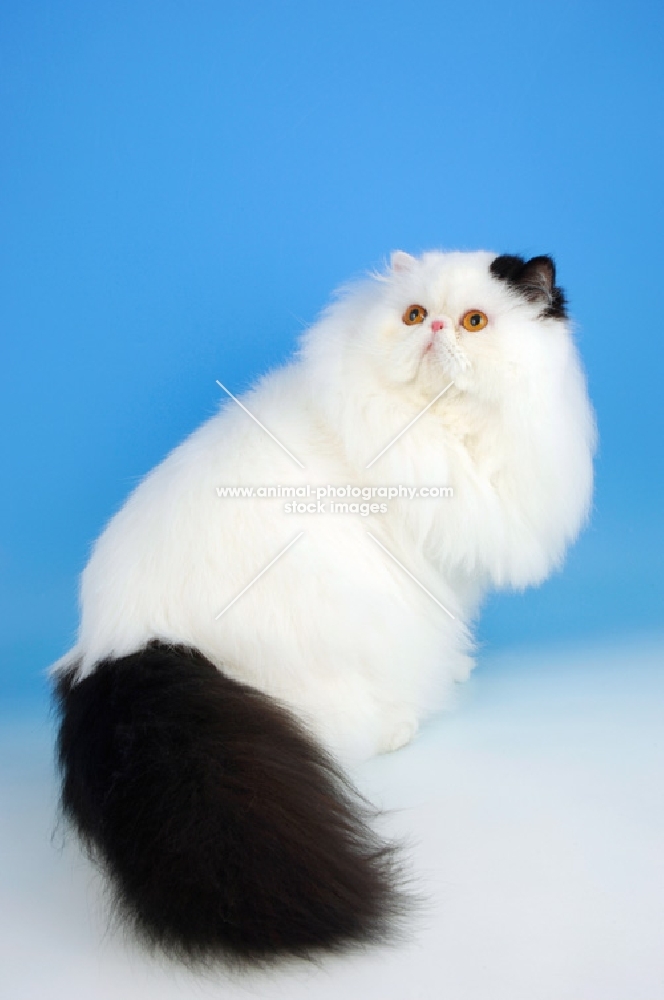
(437, 325)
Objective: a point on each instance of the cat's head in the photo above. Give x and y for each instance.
(477, 319)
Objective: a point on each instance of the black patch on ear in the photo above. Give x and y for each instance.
(507, 267)
(226, 830)
(535, 279)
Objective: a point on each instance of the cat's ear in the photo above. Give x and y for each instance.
(401, 261)
(535, 279)
(507, 267)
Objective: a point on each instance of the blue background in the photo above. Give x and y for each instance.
(183, 185)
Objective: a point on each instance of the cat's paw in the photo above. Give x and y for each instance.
(398, 734)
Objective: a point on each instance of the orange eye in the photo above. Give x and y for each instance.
(474, 320)
(414, 314)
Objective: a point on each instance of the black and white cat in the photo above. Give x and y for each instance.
(231, 648)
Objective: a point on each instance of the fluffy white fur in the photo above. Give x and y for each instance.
(335, 628)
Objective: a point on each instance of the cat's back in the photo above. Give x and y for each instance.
(197, 527)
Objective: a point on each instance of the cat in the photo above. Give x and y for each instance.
(236, 652)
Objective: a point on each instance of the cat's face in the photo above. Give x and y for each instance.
(478, 320)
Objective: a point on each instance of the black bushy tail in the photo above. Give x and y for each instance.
(226, 830)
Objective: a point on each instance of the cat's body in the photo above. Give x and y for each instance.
(336, 629)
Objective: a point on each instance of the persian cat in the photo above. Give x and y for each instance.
(241, 641)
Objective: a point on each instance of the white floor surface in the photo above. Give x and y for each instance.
(534, 815)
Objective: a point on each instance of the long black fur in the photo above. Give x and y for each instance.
(225, 828)
(535, 279)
